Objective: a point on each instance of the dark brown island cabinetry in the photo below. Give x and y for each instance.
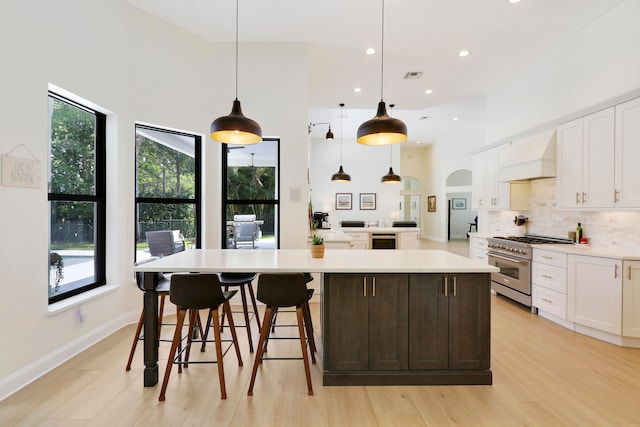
(406, 329)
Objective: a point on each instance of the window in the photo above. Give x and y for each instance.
(250, 193)
(167, 187)
(76, 197)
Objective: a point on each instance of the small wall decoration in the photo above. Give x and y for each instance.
(459, 204)
(367, 201)
(431, 203)
(343, 201)
(20, 171)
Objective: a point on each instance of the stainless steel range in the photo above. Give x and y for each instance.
(512, 255)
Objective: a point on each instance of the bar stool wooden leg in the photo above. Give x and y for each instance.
(306, 312)
(303, 346)
(234, 336)
(136, 338)
(177, 338)
(216, 334)
(266, 324)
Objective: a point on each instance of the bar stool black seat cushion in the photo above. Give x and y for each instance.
(283, 290)
(198, 291)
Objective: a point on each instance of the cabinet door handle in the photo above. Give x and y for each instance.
(577, 198)
(547, 257)
(616, 196)
(446, 286)
(546, 277)
(547, 301)
(629, 273)
(584, 197)
(615, 271)
(373, 294)
(364, 286)
(455, 286)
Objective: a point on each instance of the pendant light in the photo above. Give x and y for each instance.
(382, 129)
(341, 176)
(390, 177)
(236, 128)
(328, 136)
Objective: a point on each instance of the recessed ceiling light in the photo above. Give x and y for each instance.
(514, 1)
(463, 53)
(357, 90)
(371, 51)
(417, 142)
(455, 119)
(428, 91)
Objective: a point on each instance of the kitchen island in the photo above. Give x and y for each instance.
(389, 317)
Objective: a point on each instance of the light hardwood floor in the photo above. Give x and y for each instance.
(544, 375)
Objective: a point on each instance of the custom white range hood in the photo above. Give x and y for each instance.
(529, 158)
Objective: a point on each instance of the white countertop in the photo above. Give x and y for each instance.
(590, 250)
(300, 260)
(336, 236)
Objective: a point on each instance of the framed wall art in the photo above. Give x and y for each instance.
(367, 201)
(459, 204)
(343, 201)
(431, 203)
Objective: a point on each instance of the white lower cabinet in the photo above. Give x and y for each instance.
(359, 240)
(594, 291)
(631, 299)
(478, 249)
(549, 282)
(408, 240)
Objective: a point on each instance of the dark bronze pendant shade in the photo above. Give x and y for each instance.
(390, 178)
(236, 128)
(329, 135)
(341, 176)
(382, 129)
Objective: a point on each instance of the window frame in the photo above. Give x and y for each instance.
(196, 200)
(225, 195)
(99, 198)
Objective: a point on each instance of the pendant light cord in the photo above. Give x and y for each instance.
(237, 24)
(341, 116)
(382, 57)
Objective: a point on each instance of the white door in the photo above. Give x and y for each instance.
(594, 292)
(631, 299)
(569, 165)
(627, 153)
(597, 160)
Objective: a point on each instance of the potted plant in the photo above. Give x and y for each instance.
(317, 246)
(55, 261)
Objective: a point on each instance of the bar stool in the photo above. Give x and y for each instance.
(307, 317)
(190, 293)
(163, 291)
(241, 280)
(282, 290)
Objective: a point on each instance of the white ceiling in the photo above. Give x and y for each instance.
(420, 35)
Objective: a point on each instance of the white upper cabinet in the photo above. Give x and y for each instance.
(586, 162)
(489, 193)
(627, 154)
(597, 160)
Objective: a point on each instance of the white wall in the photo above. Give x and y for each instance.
(597, 64)
(136, 68)
(366, 165)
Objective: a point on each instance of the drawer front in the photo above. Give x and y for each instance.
(550, 277)
(479, 243)
(359, 236)
(549, 301)
(549, 257)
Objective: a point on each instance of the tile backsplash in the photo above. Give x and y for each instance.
(607, 229)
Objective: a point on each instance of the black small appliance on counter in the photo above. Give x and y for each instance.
(321, 220)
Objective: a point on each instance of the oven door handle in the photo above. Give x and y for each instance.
(510, 259)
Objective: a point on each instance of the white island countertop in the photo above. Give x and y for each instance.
(300, 260)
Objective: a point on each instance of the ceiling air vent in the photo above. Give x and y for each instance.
(413, 75)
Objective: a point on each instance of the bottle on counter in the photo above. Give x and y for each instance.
(579, 233)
